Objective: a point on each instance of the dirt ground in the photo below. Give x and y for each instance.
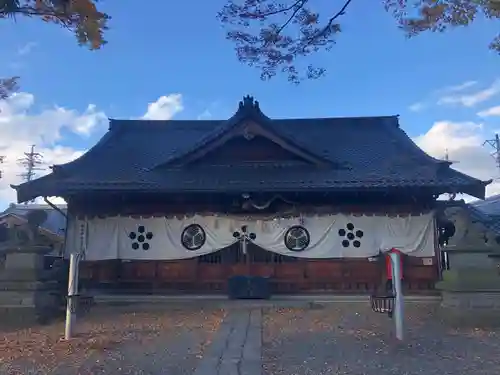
(351, 339)
(315, 339)
(110, 342)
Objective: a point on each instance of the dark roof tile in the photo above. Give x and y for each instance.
(377, 152)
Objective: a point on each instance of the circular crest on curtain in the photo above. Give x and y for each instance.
(297, 238)
(193, 237)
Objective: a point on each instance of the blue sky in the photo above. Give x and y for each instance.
(167, 48)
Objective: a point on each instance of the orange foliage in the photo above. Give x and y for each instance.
(79, 16)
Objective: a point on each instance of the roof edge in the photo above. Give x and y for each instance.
(43, 186)
(486, 220)
(101, 144)
(413, 147)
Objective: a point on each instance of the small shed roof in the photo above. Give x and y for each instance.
(55, 223)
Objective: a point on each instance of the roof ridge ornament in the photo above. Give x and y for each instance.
(248, 105)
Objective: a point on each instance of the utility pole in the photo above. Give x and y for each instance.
(446, 155)
(495, 143)
(447, 158)
(31, 162)
(2, 159)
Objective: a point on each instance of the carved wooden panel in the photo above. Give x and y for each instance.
(240, 149)
(302, 276)
(163, 205)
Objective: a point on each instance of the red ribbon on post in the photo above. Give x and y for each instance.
(388, 263)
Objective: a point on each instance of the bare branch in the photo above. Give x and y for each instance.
(296, 8)
(276, 35)
(277, 47)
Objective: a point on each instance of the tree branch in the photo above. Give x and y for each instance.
(270, 47)
(341, 12)
(298, 6)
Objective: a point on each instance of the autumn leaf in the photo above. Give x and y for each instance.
(81, 17)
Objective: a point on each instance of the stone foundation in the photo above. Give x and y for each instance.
(471, 300)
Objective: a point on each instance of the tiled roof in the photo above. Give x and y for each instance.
(487, 212)
(489, 206)
(377, 152)
(55, 223)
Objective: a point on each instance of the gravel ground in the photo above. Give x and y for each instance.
(169, 342)
(342, 338)
(351, 339)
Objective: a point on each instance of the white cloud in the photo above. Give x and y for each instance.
(443, 96)
(471, 99)
(493, 111)
(415, 107)
(20, 128)
(16, 120)
(205, 115)
(464, 142)
(26, 49)
(459, 87)
(166, 107)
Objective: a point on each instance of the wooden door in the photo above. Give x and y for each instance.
(213, 270)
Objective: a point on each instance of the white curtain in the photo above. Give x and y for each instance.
(324, 236)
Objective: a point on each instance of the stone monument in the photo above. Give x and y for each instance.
(473, 281)
(26, 288)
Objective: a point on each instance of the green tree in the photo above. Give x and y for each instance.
(273, 35)
(79, 16)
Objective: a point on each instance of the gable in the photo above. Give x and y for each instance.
(248, 142)
(256, 150)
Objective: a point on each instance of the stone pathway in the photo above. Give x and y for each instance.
(237, 347)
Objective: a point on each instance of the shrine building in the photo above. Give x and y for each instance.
(181, 206)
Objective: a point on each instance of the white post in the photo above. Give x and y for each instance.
(72, 291)
(244, 244)
(399, 302)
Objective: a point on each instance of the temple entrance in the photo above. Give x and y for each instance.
(215, 269)
(209, 274)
